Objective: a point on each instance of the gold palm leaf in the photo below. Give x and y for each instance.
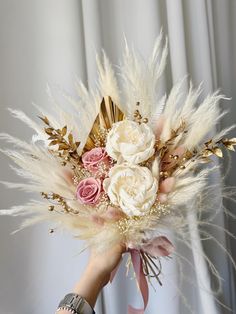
(109, 113)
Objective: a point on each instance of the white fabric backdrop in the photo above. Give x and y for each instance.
(54, 40)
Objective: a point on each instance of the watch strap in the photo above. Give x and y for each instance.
(75, 304)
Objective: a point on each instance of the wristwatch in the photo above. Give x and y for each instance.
(75, 304)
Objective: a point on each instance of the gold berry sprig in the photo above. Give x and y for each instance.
(213, 148)
(59, 201)
(175, 162)
(210, 148)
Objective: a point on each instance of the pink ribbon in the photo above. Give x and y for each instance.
(159, 246)
(141, 279)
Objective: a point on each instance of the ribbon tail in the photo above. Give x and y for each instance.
(132, 310)
(141, 279)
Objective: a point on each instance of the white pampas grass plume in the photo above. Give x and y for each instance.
(107, 82)
(140, 80)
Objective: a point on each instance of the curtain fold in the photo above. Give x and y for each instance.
(54, 41)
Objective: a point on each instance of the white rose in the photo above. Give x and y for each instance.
(132, 188)
(130, 141)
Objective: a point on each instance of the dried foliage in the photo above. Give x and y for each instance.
(58, 137)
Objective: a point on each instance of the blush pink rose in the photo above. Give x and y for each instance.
(95, 157)
(88, 191)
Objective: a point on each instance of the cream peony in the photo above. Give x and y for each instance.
(132, 188)
(130, 141)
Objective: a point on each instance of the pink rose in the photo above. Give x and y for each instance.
(95, 158)
(88, 191)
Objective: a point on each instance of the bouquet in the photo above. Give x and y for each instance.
(122, 164)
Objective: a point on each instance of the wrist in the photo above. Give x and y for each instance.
(98, 272)
(90, 284)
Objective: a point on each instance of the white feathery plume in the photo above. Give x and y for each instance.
(171, 106)
(140, 80)
(24, 118)
(203, 120)
(15, 211)
(107, 82)
(200, 119)
(30, 123)
(43, 170)
(157, 112)
(32, 207)
(186, 187)
(219, 135)
(15, 141)
(183, 112)
(77, 113)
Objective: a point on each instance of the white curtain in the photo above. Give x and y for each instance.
(52, 41)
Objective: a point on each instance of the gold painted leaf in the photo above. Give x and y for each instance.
(232, 141)
(208, 143)
(48, 130)
(109, 113)
(205, 160)
(227, 141)
(74, 147)
(63, 146)
(218, 152)
(44, 119)
(70, 138)
(207, 152)
(64, 131)
(55, 142)
(52, 137)
(230, 147)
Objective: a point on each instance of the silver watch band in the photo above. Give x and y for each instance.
(75, 304)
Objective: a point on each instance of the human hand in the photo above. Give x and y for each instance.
(98, 272)
(105, 262)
